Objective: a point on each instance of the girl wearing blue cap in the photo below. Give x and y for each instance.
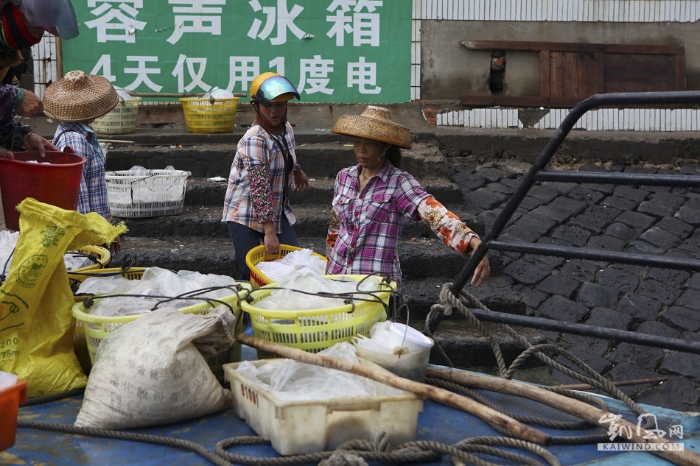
(256, 207)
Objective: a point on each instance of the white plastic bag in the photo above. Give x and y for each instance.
(151, 371)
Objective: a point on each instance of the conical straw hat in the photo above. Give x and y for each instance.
(79, 97)
(374, 123)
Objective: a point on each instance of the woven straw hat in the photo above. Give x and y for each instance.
(79, 97)
(374, 123)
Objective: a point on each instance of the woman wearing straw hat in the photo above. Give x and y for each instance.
(373, 199)
(256, 207)
(76, 100)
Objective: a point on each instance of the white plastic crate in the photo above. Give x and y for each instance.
(301, 427)
(160, 192)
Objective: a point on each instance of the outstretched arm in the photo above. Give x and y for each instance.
(454, 233)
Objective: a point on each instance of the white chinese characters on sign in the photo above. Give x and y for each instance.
(272, 21)
(194, 16)
(194, 69)
(364, 27)
(116, 19)
(315, 73)
(278, 16)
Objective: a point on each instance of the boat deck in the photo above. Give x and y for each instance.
(436, 423)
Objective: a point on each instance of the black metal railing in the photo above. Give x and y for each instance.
(538, 173)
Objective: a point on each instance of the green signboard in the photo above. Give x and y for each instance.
(333, 50)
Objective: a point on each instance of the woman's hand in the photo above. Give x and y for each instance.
(272, 243)
(301, 181)
(35, 142)
(483, 269)
(31, 104)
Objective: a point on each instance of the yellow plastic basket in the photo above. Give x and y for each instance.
(99, 255)
(257, 255)
(210, 115)
(96, 328)
(76, 278)
(317, 329)
(121, 120)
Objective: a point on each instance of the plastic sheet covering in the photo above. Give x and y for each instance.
(154, 282)
(301, 262)
(306, 292)
(8, 241)
(293, 380)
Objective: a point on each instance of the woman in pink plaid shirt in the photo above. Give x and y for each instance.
(373, 199)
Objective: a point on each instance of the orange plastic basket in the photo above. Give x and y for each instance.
(10, 399)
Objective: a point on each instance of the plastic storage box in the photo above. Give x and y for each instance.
(302, 427)
(121, 120)
(96, 328)
(317, 329)
(257, 255)
(10, 399)
(210, 115)
(160, 192)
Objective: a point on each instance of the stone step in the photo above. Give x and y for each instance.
(319, 160)
(421, 259)
(203, 192)
(205, 221)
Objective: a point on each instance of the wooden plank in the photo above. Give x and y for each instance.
(639, 73)
(545, 64)
(516, 101)
(571, 46)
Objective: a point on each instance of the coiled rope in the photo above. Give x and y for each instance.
(450, 303)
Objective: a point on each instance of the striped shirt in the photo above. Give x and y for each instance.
(256, 190)
(93, 185)
(370, 222)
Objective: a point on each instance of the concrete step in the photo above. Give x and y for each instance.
(209, 159)
(205, 221)
(203, 192)
(420, 258)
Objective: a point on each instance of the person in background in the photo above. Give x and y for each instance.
(76, 101)
(22, 24)
(374, 198)
(13, 134)
(256, 207)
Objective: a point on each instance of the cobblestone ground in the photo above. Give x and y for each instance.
(640, 219)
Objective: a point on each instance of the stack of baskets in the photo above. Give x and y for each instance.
(156, 193)
(204, 115)
(121, 120)
(96, 328)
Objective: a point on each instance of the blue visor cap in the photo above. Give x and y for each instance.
(274, 87)
(54, 16)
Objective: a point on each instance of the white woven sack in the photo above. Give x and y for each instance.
(149, 372)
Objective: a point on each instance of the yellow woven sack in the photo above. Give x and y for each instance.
(36, 322)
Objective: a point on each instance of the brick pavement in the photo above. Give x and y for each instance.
(640, 219)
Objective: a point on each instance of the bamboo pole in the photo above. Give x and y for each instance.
(563, 403)
(488, 415)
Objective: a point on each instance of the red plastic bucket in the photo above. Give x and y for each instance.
(56, 182)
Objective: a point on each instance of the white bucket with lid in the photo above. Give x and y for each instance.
(404, 335)
(397, 348)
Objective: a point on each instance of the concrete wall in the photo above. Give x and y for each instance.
(450, 70)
